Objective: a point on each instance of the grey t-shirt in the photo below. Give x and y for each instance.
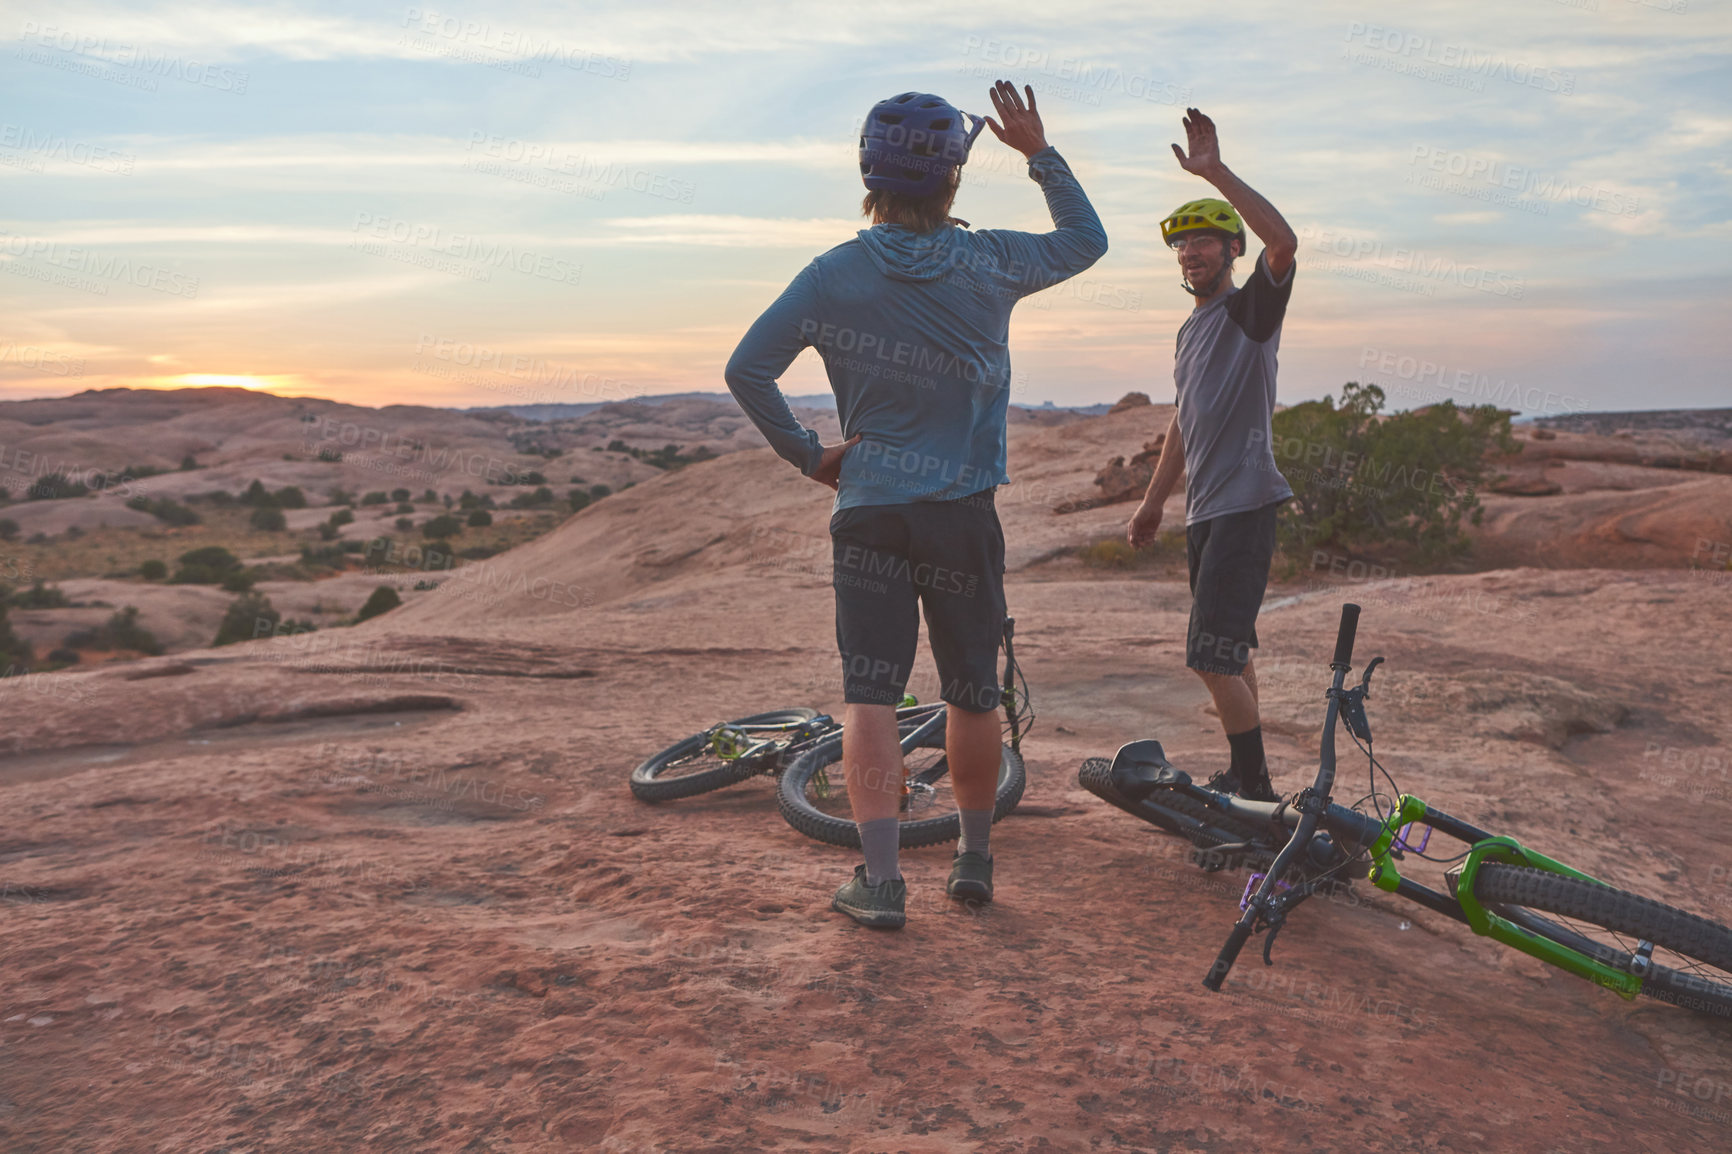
(1224, 370)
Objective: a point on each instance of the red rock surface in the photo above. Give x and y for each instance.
(385, 888)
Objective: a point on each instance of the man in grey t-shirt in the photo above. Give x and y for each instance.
(1224, 370)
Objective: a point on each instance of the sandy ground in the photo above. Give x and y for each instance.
(385, 888)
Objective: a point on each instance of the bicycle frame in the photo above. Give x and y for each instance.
(1385, 844)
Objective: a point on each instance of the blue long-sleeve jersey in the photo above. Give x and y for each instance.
(913, 330)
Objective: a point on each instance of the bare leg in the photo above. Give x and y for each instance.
(1250, 676)
(1235, 697)
(872, 761)
(972, 746)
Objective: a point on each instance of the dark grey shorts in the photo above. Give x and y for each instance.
(1229, 559)
(891, 561)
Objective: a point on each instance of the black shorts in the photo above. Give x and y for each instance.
(1229, 559)
(892, 560)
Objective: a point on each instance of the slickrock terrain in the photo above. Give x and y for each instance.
(384, 888)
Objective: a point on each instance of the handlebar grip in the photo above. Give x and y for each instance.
(1344, 637)
(1229, 952)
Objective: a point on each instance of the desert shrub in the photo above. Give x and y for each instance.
(444, 525)
(333, 456)
(16, 655)
(542, 496)
(290, 497)
(405, 508)
(248, 616)
(376, 497)
(467, 500)
(239, 581)
(121, 631)
(8, 529)
(40, 596)
(269, 519)
(327, 531)
(62, 657)
(342, 517)
(169, 512)
(405, 523)
(479, 518)
(383, 600)
(1360, 482)
(578, 499)
(55, 487)
(400, 495)
(206, 566)
(257, 495)
(152, 570)
(597, 492)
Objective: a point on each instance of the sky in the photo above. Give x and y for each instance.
(1524, 203)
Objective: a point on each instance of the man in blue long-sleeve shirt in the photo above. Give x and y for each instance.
(912, 321)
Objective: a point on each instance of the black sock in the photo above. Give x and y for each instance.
(1248, 766)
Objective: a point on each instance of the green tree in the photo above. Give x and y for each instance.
(152, 570)
(383, 600)
(1361, 481)
(248, 616)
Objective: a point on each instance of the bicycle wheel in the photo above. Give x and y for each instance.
(1691, 962)
(695, 765)
(813, 797)
(1177, 814)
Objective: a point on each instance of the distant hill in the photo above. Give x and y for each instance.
(807, 401)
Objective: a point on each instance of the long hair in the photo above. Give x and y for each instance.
(920, 213)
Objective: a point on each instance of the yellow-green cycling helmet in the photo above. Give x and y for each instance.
(1214, 215)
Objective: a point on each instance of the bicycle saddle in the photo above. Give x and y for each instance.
(1141, 767)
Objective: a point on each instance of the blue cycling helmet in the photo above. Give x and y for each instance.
(911, 143)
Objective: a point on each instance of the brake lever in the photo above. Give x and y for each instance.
(1365, 682)
(1269, 942)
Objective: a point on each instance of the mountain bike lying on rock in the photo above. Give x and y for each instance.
(804, 748)
(1500, 889)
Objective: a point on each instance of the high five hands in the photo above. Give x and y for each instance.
(1205, 156)
(1022, 129)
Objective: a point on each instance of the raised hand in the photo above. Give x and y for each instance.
(1022, 129)
(1205, 147)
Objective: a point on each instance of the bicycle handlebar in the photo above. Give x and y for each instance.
(1344, 636)
(1229, 953)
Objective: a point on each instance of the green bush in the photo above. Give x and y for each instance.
(40, 596)
(342, 517)
(207, 566)
(168, 511)
(8, 529)
(383, 600)
(188, 463)
(122, 631)
(291, 497)
(16, 656)
(405, 523)
(376, 497)
(578, 498)
(54, 487)
(444, 525)
(249, 615)
(401, 496)
(1363, 482)
(597, 492)
(269, 519)
(258, 495)
(152, 570)
(542, 496)
(480, 518)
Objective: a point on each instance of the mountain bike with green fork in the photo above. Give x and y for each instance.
(1497, 887)
(803, 748)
